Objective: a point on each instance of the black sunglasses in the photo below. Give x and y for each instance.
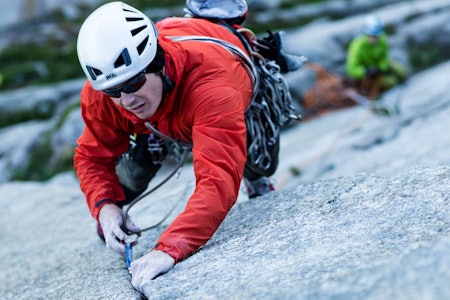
(130, 86)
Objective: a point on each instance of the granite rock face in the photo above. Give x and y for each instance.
(361, 237)
(357, 237)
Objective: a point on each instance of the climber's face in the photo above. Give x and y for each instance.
(373, 39)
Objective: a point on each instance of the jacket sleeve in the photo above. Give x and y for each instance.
(97, 151)
(219, 153)
(383, 63)
(355, 67)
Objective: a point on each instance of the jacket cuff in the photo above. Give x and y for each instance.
(174, 253)
(99, 205)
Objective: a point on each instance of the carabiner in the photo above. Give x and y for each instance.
(129, 255)
(129, 250)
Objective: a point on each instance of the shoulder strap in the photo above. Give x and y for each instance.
(247, 61)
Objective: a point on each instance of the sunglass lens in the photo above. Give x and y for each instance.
(135, 84)
(112, 93)
(131, 86)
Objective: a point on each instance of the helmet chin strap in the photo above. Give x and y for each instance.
(168, 84)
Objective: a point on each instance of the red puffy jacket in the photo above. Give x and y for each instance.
(207, 106)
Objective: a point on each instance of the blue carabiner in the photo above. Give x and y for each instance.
(129, 251)
(129, 254)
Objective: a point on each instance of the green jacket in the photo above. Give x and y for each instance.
(362, 55)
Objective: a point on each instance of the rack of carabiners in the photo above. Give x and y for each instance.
(270, 109)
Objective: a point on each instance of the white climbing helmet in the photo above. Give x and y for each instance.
(373, 26)
(115, 43)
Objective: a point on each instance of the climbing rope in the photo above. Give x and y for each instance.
(180, 152)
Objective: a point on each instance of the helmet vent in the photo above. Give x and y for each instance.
(123, 59)
(137, 30)
(129, 19)
(142, 46)
(93, 72)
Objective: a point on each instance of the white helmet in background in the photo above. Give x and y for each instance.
(373, 26)
(115, 43)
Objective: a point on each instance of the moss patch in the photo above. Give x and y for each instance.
(53, 61)
(427, 53)
(41, 164)
(43, 111)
